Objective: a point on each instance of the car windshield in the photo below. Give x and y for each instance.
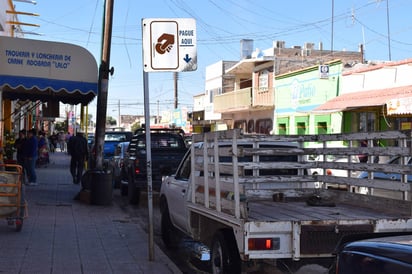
(115, 137)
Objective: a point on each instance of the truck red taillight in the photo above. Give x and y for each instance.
(329, 172)
(263, 243)
(136, 164)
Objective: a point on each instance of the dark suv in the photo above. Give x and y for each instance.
(168, 147)
(387, 254)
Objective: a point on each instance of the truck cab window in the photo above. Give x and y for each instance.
(184, 171)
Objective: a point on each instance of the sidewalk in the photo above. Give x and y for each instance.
(62, 235)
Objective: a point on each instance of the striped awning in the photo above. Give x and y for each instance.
(46, 71)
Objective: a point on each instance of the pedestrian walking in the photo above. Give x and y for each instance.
(19, 146)
(30, 156)
(77, 149)
(62, 141)
(53, 139)
(67, 138)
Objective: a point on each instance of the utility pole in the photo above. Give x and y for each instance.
(389, 33)
(175, 78)
(118, 114)
(103, 83)
(333, 19)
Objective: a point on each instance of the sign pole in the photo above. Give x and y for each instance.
(148, 155)
(167, 45)
(148, 162)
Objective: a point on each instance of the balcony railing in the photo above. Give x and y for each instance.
(233, 101)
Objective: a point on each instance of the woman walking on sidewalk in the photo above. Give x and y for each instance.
(30, 156)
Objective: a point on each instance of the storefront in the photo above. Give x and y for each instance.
(373, 110)
(45, 73)
(298, 93)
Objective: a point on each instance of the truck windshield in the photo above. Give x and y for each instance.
(163, 141)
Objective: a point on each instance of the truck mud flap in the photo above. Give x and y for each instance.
(322, 239)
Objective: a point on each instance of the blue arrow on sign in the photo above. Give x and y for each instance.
(187, 58)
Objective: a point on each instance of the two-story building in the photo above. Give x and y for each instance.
(253, 102)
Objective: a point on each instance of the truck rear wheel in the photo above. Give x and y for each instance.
(224, 253)
(133, 192)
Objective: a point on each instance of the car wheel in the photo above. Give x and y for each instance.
(224, 253)
(133, 192)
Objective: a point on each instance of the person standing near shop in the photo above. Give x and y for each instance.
(30, 156)
(19, 146)
(78, 150)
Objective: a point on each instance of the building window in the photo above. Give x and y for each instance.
(240, 124)
(322, 128)
(264, 81)
(367, 122)
(210, 96)
(301, 128)
(264, 126)
(251, 126)
(282, 129)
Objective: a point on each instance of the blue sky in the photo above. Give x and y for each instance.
(221, 24)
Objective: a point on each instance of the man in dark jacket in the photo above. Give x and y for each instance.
(19, 145)
(30, 156)
(77, 149)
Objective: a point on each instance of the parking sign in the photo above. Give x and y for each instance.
(169, 44)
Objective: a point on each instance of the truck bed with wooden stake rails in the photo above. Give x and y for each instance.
(250, 199)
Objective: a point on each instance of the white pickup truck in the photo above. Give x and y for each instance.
(250, 199)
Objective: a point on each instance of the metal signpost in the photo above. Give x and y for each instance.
(168, 45)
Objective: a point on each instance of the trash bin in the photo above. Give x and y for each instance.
(101, 190)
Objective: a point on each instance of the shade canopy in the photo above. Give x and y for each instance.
(361, 99)
(46, 71)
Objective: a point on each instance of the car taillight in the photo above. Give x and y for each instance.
(264, 243)
(136, 170)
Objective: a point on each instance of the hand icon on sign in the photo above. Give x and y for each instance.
(165, 43)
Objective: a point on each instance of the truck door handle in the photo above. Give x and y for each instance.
(183, 191)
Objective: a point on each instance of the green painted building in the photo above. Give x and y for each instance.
(298, 93)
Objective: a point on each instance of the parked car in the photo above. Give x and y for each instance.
(389, 176)
(90, 141)
(383, 255)
(111, 139)
(116, 163)
(333, 158)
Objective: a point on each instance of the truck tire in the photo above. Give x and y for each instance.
(124, 189)
(133, 192)
(224, 253)
(167, 228)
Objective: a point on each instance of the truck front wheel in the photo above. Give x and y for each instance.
(224, 253)
(167, 228)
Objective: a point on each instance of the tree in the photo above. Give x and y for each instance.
(135, 126)
(110, 121)
(61, 126)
